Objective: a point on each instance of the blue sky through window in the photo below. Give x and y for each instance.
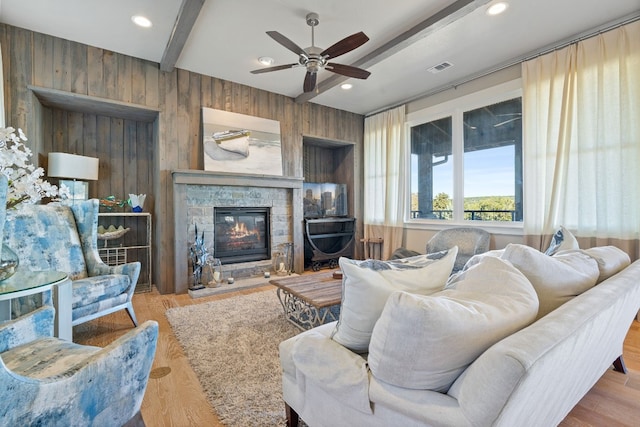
(487, 173)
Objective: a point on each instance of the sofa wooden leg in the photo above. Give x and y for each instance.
(292, 416)
(618, 365)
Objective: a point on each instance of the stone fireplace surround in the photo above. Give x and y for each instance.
(196, 193)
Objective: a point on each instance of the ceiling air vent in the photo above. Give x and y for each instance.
(440, 67)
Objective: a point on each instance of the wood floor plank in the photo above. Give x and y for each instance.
(176, 398)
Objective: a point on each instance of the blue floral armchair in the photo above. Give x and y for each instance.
(64, 238)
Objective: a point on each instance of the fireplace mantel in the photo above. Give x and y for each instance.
(199, 177)
(183, 178)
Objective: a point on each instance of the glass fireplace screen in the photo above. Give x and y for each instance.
(241, 234)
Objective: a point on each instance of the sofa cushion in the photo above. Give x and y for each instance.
(497, 253)
(340, 372)
(562, 240)
(556, 279)
(611, 260)
(366, 285)
(426, 342)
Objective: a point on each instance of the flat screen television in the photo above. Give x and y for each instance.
(325, 199)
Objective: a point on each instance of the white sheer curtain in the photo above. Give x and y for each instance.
(581, 110)
(384, 178)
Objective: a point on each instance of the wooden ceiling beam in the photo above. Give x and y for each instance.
(189, 11)
(433, 23)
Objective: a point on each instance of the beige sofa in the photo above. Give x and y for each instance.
(532, 377)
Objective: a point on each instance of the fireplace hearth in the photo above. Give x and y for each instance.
(241, 234)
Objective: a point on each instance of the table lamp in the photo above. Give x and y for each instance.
(76, 169)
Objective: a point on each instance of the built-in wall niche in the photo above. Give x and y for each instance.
(327, 161)
(121, 135)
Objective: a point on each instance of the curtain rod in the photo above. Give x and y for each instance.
(612, 25)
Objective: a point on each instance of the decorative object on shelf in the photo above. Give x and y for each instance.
(8, 262)
(283, 259)
(25, 182)
(110, 202)
(198, 254)
(136, 201)
(76, 170)
(215, 269)
(111, 233)
(136, 246)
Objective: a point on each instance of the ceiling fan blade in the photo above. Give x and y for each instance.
(347, 70)
(345, 45)
(276, 68)
(286, 43)
(310, 81)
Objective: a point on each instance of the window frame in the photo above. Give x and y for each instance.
(455, 108)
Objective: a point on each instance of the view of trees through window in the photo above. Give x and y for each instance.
(490, 169)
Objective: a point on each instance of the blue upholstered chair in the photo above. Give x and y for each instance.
(64, 238)
(47, 381)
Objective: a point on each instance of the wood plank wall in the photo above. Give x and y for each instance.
(172, 142)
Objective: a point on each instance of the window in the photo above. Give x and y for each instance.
(466, 162)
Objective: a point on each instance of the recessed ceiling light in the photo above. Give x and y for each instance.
(141, 21)
(265, 60)
(346, 86)
(497, 8)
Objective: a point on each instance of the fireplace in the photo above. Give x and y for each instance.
(241, 234)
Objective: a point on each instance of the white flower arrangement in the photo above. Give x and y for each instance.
(25, 180)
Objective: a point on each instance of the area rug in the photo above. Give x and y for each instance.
(232, 346)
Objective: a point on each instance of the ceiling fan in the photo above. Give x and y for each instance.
(314, 58)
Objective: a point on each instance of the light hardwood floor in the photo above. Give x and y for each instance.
(174, 396)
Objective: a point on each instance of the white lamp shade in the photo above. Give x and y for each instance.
(64, 165)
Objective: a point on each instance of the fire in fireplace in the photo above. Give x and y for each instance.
(241, 234)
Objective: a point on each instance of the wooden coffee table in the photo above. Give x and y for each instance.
(309, 300)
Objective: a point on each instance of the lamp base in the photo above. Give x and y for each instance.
(78, 190)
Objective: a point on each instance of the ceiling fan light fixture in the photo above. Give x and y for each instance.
(497, 8)
(346, 86)
(266, 60)
(141, 21)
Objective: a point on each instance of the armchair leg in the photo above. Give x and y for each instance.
(132, 314)
(292, 416)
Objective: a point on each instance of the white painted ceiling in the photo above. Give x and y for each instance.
(229, 36)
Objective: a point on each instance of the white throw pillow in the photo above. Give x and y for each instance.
(556, 279)
(610, 259)
(426, 342)
(562, 240)
(366, 285)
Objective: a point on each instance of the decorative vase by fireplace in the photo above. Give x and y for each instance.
(283, 259)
